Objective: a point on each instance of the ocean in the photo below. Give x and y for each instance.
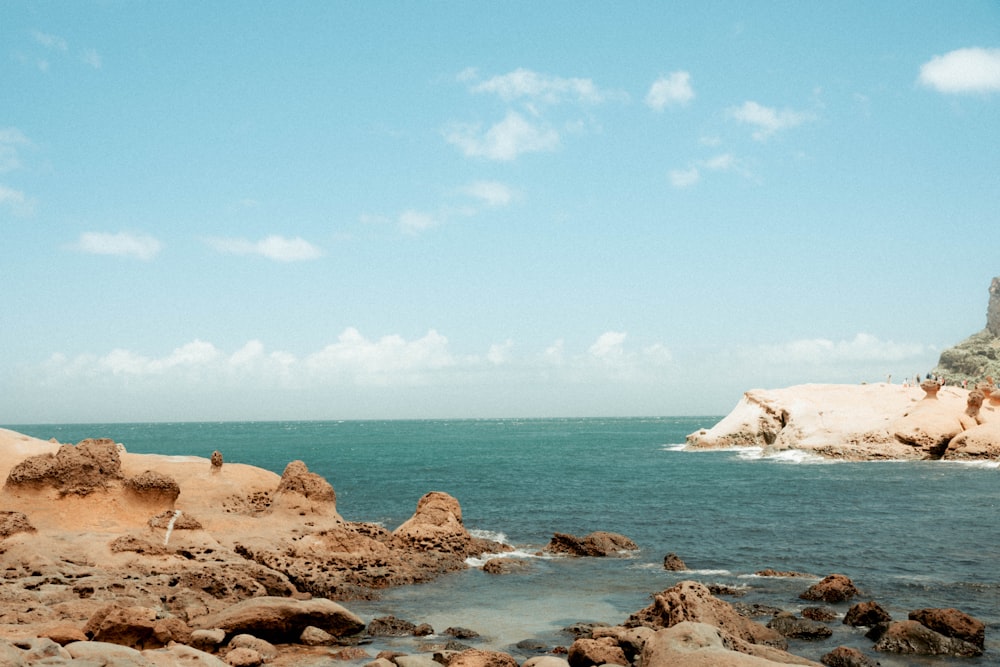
(909, 534)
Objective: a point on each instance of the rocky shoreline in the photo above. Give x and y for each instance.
(112, 558)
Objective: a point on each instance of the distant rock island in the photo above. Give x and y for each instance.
(954, 416)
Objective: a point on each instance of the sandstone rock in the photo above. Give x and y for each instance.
(297, 479)
(208, 640)
(102, 653)
(867, 614)
(545, 661)
(673, 563)
(590, 652)
(838, 421)
(153, 487)
(693, 644)
(951, 622)
(630, 640)
(313, 636)
(179, 654)
(14, 522)
(281, 619)
(244, 657)
(216, 460)
(980, 442)
(390, 626)
(769, 572)
(436, 525)
(63, 634)
(79, 470)
(819, 613)
(137, 627)
(478, 658)
(799, 628)
(929, 426)
(691, 601)
(912, 637)
(831, 589)
(598, 544)
(505, 565)
(263, 648)
(460, 633)
(416, 661)
(844, 656)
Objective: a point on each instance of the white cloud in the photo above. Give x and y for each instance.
(92, 57)
(277, 248)
(53, 42)
(122, 244)
(354, 360)
(971, 70)
(492, 193)
(505, 140)
(386, 361)
(11, 140)
(768, 120)
(414, 222)
(669, 91)
(524, 84)
(863, 347)
(684, 178)
(16, 201)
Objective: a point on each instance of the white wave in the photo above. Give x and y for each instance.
(482, 559)
(710, 573)
(973, 464)
(491, 535)
(796, 456)
(678, 447)
(749, 453)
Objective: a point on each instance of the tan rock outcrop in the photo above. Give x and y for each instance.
(694, 644)
(692, 601)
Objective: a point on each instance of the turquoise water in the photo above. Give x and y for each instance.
(910, 534)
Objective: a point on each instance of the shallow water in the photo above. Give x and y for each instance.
(909, 534)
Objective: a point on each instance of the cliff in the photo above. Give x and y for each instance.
(978, 356)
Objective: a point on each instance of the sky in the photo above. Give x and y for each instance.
(393, 210)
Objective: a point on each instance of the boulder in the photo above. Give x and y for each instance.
(282, 620)
(73, 469)
(866, 614)
(981, 442)
(265, 649)
(819, 613)
(673, 563)
(799, 628)
(590, 652)
(153, 488)
(913, 637)
(844, 656)
(478, 658)
(545, 661)
(297, 479)
(831, 589)
(692, 601)
(929, 425)
(630, 640)
(390, 626)
(597, 544)
(436, 525)
(179, 654)
(103, 653)
(951, 622)
(137, 627)
(505, 565)
(244, 657)
(694, 644)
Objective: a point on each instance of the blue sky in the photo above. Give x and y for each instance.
(338, 210)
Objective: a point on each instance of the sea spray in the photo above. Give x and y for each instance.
(170, 527)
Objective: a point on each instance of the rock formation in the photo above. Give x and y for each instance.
(978, 355)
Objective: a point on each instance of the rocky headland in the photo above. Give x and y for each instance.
(954, 414)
